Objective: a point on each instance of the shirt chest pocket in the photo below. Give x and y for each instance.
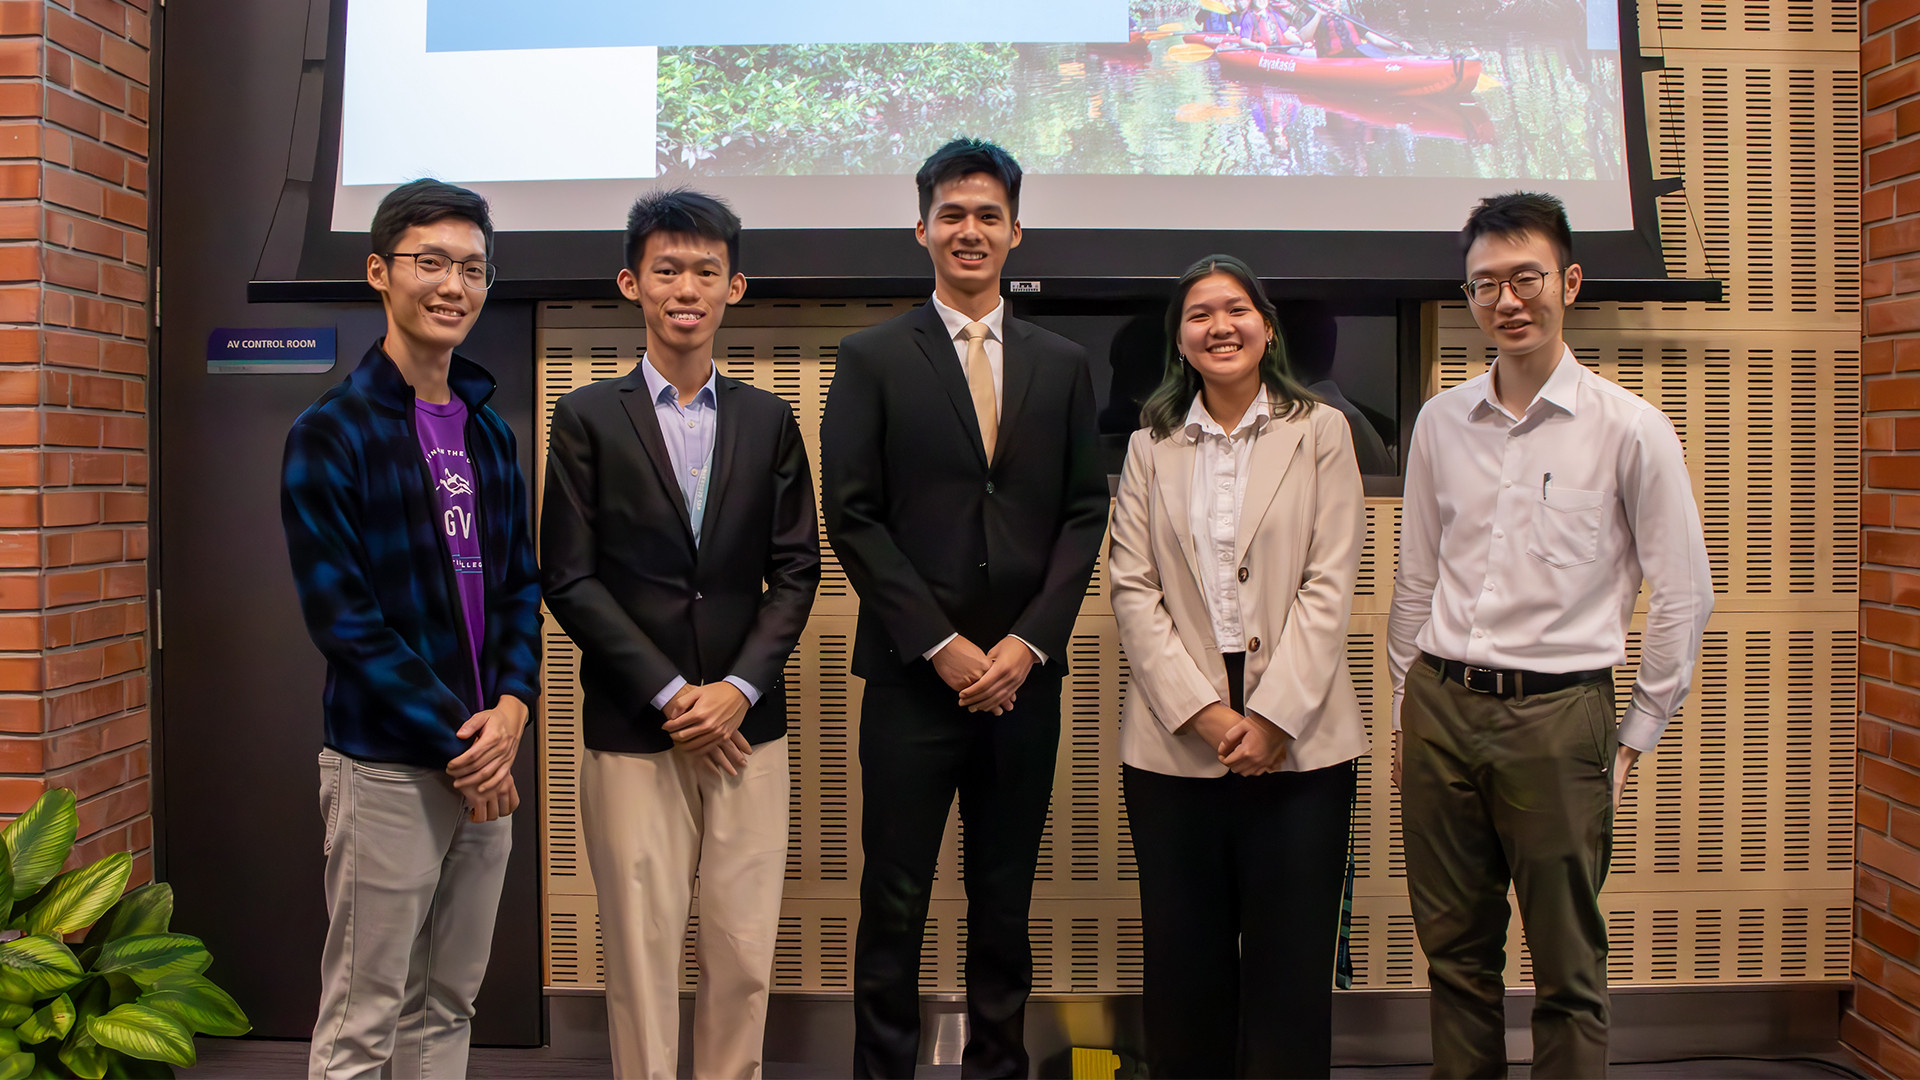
(1566, 526)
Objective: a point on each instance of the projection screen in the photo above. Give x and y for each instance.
(1289, 115)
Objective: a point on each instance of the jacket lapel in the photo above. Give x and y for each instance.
(1267, 466)
(633, 395)
(726, 434)
(1016, 375)
(931, 334)
(1173, 472)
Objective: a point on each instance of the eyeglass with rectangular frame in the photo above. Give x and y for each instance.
(432, 268)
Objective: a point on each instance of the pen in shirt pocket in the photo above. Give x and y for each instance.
(1544, 477)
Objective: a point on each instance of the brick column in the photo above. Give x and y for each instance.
(1883, 1025)
(73, 426)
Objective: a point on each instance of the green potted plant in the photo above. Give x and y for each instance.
(126, 1000)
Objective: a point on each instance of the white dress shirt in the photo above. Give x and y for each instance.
(1214, 502)
(956, 324)
(688, 432)
(1524, 540)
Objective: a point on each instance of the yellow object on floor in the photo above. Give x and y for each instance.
(1094, 1064)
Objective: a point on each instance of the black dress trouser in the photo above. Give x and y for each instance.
(1241, 881)
(917, 749)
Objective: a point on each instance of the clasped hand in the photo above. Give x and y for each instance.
(705, 721)
(483, 775)
(986, 681)
(1249, 745)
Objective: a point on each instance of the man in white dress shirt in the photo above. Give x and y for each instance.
(1538, 497)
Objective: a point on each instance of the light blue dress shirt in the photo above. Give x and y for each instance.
(688, 431)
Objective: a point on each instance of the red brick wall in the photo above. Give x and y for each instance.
(73, 425)
(1883, 1024)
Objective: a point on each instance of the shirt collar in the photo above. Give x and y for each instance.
(1561, 390)
(957, 322)
(1200, 422)
(662, 392)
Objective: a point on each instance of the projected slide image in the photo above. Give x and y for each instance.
(1528, 88)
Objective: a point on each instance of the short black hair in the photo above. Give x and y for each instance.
(1517, 213)
(423, 202)
(685, 212)
(964, 157)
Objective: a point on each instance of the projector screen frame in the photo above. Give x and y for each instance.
(304, 259)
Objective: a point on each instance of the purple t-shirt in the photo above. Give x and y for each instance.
(443, 440)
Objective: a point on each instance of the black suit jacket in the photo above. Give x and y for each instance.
(933, 540)
(623, 576)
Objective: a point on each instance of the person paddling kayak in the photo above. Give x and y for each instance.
(1335, 35)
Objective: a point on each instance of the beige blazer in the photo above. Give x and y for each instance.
(1298, 547)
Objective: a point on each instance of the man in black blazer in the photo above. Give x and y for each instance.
(680, 551)
(964, 495)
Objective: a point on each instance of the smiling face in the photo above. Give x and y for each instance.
(968, 231)
(1222, 334)
(427, 319)
(683, 286)
(1521, 328)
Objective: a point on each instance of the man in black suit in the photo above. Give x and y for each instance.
(673, 496)
(964, 494)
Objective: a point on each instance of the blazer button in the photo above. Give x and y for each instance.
(989, 487)
(1243, 574)
(1254, 645)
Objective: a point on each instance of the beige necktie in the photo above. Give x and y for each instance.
(980, 383)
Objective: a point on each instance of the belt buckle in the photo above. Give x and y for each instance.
(1468, 672)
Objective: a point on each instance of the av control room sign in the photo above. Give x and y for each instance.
(294, 350)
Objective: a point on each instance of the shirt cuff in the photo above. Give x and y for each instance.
(660, 699)
(746, 688)
(1641, 730)
(1398, 694)
(1037, 654)
(944, 642)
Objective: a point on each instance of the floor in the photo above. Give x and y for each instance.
(267, 1059)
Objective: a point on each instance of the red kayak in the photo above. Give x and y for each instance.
(1407, 76)
(1214, 40)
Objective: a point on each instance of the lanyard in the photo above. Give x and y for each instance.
(698, 510)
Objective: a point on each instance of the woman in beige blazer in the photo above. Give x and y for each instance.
(1236, 540)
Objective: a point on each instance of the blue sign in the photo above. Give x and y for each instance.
(294, 350)
(470, 25)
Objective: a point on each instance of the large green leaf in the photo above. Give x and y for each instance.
(196, 1002)
(13, 1014)
(87, 1058)
(78, 897)
(146, 958)
(149, 1034)
(53, 1021)
(35, 968)
(16, 1066)
(38, 841)
(120, 990)
(146, 910)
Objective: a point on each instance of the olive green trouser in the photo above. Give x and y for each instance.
(1513, 790)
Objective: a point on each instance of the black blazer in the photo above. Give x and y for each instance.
(624, 579)
(933, 540)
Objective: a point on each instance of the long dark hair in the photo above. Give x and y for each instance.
(1167, 408)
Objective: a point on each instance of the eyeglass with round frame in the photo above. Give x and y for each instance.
(432, 268)
(1526, 285)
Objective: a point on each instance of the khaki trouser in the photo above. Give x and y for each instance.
(412, 890)
(652, 822)
(1516, 790)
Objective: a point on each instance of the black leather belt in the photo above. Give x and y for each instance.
(1506, 683)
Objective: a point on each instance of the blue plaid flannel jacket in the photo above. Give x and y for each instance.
(375, 582)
